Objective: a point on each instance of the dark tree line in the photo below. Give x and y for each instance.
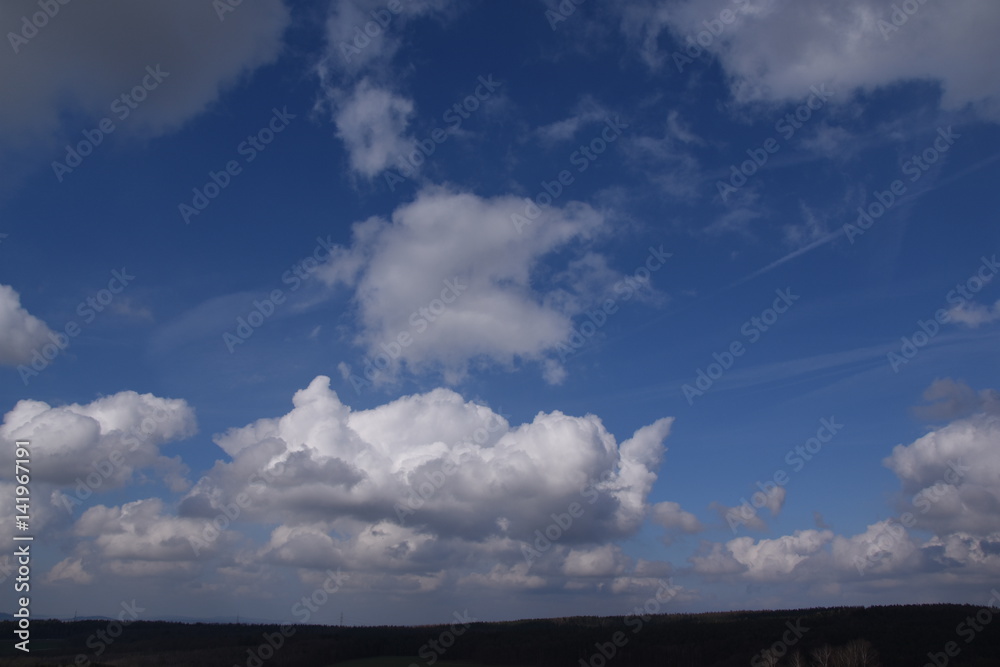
(887, 636)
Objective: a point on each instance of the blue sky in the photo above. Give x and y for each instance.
(398, 303)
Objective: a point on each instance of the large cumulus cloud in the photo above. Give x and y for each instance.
(436, 462)
(424, 492)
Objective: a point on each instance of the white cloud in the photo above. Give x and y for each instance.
(137, 539)
(762, 560)
(138, 531)
(587, 111)
(886, 548)
(81, 451)
(950, 481)
(426, 493)
(553, 372)
(770, 559)
(716, 561)
(774, 50)
(453, 278)
(21, 333)
(973, 315)
(110, 437)
(372, 122)
(600, 561)
(427, 483)
(972, 552)
(672, 517)
(746, 514)
(359, 88)
(370, 465)
(951, 476)
(775, 499)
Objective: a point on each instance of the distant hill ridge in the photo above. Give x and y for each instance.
(883, 636)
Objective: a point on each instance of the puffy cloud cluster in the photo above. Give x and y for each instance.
(950, 486)
(137, 539)
(765, 559)
(885, 548)
(951, 476)
(774, 50)
(79, 452)
(438, 464)
(978, 553)
(113, 436)
(423, 492)
(413, 489)
(433, 493)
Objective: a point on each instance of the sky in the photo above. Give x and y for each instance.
(519, 309)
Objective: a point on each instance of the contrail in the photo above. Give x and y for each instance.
(790, 256)
(833, 235)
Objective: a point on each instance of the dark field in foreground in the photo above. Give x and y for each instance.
(406, 661)
(890, 636)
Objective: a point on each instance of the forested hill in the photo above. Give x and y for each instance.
(890, 636)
